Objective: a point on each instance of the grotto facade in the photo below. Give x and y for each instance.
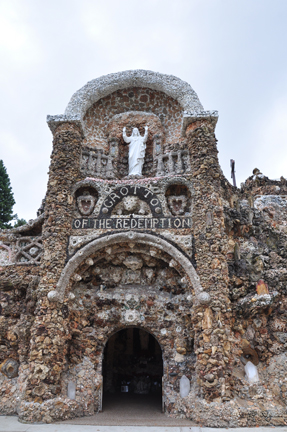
(169, 282)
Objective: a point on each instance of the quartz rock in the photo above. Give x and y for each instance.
(251, 372)
(71, 390)
(184, 386)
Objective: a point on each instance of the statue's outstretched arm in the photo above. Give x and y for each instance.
(145, 134)
(126, 139)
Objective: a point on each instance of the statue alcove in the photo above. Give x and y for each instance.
(120, 150)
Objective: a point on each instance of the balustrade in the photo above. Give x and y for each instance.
(96, 163)
(174, 162)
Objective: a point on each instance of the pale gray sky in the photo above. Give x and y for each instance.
(232, 52)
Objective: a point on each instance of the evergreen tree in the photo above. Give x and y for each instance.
(19, 222)
(6, 198)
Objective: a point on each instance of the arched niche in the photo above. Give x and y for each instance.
(100, 87)
(178, 260)
(94, 90)
(130, 268)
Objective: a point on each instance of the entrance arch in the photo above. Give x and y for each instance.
(132, 368)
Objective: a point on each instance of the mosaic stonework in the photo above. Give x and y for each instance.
(169, 283)
(144, 100)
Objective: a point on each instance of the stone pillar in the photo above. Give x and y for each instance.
(49, 334)
(212, 325)
(112, 165)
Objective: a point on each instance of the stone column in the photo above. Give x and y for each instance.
(212, 325)
(112, 165)
(49, 334)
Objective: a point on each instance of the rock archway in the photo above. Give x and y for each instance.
(132, 281)
(131, 241)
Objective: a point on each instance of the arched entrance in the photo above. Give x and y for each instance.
(133, 280)
(132, 370)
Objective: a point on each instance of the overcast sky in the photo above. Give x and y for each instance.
(232, 53)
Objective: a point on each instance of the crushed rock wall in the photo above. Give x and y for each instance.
(177, 253)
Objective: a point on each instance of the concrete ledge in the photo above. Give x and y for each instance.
(191, 117)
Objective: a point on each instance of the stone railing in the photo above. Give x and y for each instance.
(174, 162)
(97, 164)
(94, 162)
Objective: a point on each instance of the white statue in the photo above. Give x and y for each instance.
(137, 146)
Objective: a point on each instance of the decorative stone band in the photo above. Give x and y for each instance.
(129, 223)
(121, 192)
(136, 237)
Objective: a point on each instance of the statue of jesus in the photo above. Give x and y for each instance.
(137, 146)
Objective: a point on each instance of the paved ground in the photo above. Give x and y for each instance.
(131, 410)
(11, 424)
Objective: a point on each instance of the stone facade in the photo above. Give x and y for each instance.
(143, 283)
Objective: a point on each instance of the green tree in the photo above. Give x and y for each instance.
(19, 222)
(6, 198)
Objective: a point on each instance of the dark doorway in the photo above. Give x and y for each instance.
(132, 369)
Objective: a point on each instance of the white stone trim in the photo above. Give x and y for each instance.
(100, 87)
